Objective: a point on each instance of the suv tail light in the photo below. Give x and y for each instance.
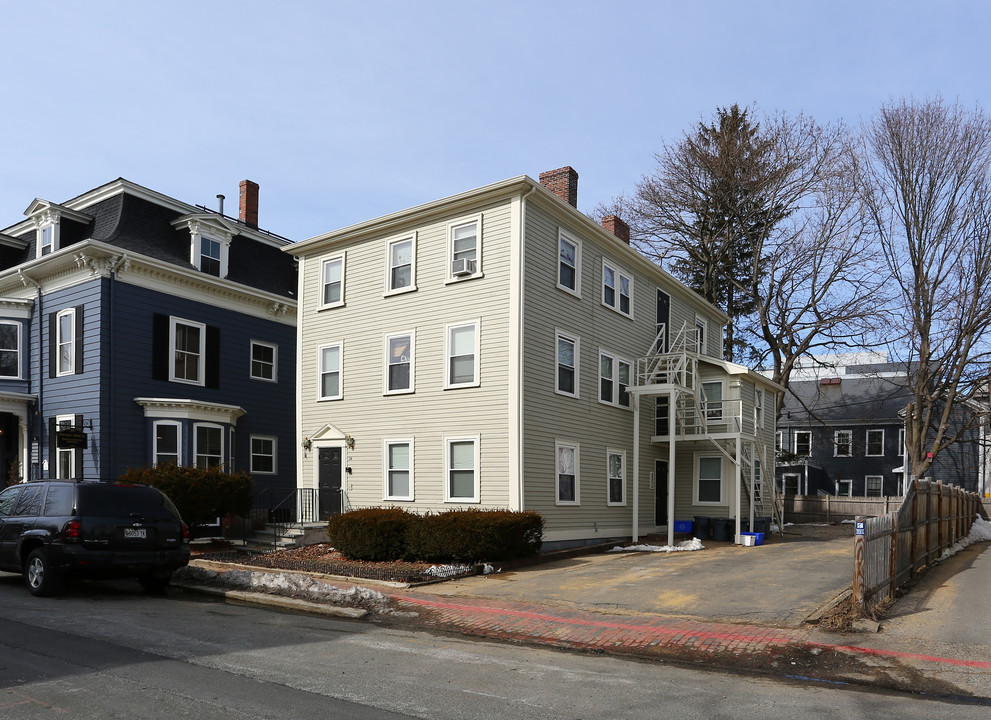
(72, 531)
(185, 532)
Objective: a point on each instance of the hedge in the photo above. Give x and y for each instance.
(200, 494)
(457, 535)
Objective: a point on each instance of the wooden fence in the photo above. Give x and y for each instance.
(891, 549)
(833, 508)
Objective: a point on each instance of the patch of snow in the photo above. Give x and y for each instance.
(447, 570)
(683, 546)
(980, 531)
(848, 522)
(281, 583)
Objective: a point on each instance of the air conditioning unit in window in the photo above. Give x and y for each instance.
(462, 266)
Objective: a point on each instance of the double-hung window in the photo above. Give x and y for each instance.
(331, 374)
(569, 264)
(779, 441)
(264, 358)
(844, 488)
(332, 282)
(10, 349)
(803, 442)
(614, 380)
(567, 365)
(843, 443)
(65, 458)
(462, 470)
(263, 454)
(566, 464)
(617, 289)
(47, 243)
(398, 469)
(187, 339)
(66, 341)
(167, 448)
(901, 442)
(208, 445)
(615, 467)
(701, 332)
(399, 363)
(402, 264)
(465, 253)
(713, 393)
(462, 355)
(708, 480)
(210, 255)
(875, 443)
(872, 485)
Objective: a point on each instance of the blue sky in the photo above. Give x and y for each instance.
(343, 111)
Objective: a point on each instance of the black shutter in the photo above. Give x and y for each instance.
(160, 347)
(79, 339)
(212, 361)
(52, 344)
(52, 448)
(77, 423)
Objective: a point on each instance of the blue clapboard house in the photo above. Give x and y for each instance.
(137, 329)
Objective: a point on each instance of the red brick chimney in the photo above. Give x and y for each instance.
(249, 203)
(563, 182)
(617, 227)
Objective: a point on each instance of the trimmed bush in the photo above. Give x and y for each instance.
(200, 494)
(473, 535)
(376, 534)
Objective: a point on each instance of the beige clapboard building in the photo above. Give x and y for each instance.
(498, 349)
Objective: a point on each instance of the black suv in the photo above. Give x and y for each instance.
(53, 529)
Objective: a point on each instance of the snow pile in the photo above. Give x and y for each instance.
(980, 531)
(683, 546)
(291, 584)
(443, 571)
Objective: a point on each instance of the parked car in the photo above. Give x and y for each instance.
(51, 530)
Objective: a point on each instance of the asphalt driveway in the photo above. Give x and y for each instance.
(778, 584)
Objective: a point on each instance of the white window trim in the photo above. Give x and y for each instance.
(275, 454)
(779, 441)
(619, 273)
(576, 447)
(386, 444)
(196, 250)
(448, 440)
(798, 482)
(795, 435)
(867, 443)
(340, 371)
(616, 360)
(476, 379)
(323, 273)
(721, 417)
(55, 226)
(759, 399)
(451, 226)
(201, 361)
(19, 330)
(696, 465)
(275, 361)
(71, 369)
(622, 454)
(849, 443)
(702, 345)
(389, 290)
(849, 487)
(880, 478)
(71, 452)
(563, 236)
(196, 452)
(412, 364)
(558, 336)
(154, 441)
(901, 442)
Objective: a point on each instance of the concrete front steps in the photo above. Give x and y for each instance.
(284, 538)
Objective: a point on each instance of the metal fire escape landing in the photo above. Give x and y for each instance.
(733, 426)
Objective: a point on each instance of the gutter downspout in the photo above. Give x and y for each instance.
(38, 413)
(116, 265)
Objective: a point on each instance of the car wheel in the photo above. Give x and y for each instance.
(155, 582)
(41, 578)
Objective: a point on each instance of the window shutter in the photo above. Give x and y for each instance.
(79, 342)
(160, 347)
(212, 360)
(52, 448)
(52, 344)
(77, 422)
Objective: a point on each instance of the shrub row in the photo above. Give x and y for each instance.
(382, 534)
(200, 494)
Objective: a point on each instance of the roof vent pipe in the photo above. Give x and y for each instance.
(220, 203)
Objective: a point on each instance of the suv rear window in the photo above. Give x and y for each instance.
(123, 500)
(58, 502)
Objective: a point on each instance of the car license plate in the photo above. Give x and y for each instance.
(141, 533)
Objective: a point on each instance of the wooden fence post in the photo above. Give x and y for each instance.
(859, 558)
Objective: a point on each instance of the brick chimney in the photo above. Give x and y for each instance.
(563, 182)
(249, 203)
(617, 227)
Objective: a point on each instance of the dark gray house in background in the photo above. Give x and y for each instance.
(841, 432)
(137, 329)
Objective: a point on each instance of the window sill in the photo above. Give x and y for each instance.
(573, 293)
(567, 503)
(388, 393)
(454, 280)
(400, 291)
(462, 387)
(330, 399)
(261, 379)
(567, 395)
(332, 306)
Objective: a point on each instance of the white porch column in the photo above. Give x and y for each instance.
(672, 399)
(739, 490)
(636, 466)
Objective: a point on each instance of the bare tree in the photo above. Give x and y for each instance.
(805, 276)
(926, 181)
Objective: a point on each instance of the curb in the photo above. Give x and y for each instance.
(244, 597)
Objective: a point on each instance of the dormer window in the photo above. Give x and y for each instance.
(210, 255)
(209, 242)
(46, 240)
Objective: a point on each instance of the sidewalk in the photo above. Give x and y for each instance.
(561, 615)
